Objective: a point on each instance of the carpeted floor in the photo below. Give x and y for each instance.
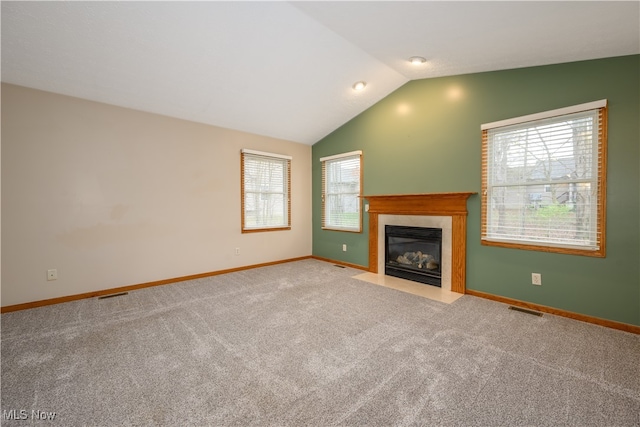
(303, 343)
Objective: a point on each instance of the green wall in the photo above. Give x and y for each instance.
(425, 138)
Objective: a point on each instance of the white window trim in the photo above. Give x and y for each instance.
(545, 114)
(339, 156)
(265, 154)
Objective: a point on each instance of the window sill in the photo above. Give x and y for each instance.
(260, 230)
(597, 253)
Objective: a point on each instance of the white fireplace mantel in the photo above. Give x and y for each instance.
(453, 205)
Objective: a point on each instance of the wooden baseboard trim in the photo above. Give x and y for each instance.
(59, 300)
(346, 264)
(558, 312)
(584, 318)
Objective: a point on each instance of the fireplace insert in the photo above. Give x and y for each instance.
(413, 253)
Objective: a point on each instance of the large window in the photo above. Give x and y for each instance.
(341, 191)
(266, 191)
(544, 181)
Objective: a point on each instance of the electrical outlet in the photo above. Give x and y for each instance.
(237, 251)
(344, 247)
(536, 279)
(52, 274)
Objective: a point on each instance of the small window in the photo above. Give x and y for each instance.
(544, 181)
(266, 191)
(341, 192)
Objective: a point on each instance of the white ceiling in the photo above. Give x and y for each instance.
(285, 69)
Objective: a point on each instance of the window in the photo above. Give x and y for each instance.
(341, 191)
(266, 191)
(544, 181)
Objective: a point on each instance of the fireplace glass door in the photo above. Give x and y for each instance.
(413, 253)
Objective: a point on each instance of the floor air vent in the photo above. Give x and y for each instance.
(113, 295)
(339, 266)
(524, 310)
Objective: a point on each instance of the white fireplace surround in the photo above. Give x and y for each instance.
(443, 222)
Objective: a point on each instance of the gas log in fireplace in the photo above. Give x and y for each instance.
(413, 253)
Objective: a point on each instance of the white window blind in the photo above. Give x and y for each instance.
(544, 181)
(266, 183)
(341, 191)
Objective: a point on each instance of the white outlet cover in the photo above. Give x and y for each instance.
(536, 279)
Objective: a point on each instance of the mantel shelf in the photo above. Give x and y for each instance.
(445, 204)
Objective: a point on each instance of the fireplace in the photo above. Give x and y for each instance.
(436, 206)
(414, 253)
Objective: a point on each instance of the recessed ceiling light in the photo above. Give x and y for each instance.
(417, 60)
(359, 85)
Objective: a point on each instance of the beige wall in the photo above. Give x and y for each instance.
(113, 197)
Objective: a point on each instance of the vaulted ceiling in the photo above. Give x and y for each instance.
(286, 69)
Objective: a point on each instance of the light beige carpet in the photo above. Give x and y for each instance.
(304, 343)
